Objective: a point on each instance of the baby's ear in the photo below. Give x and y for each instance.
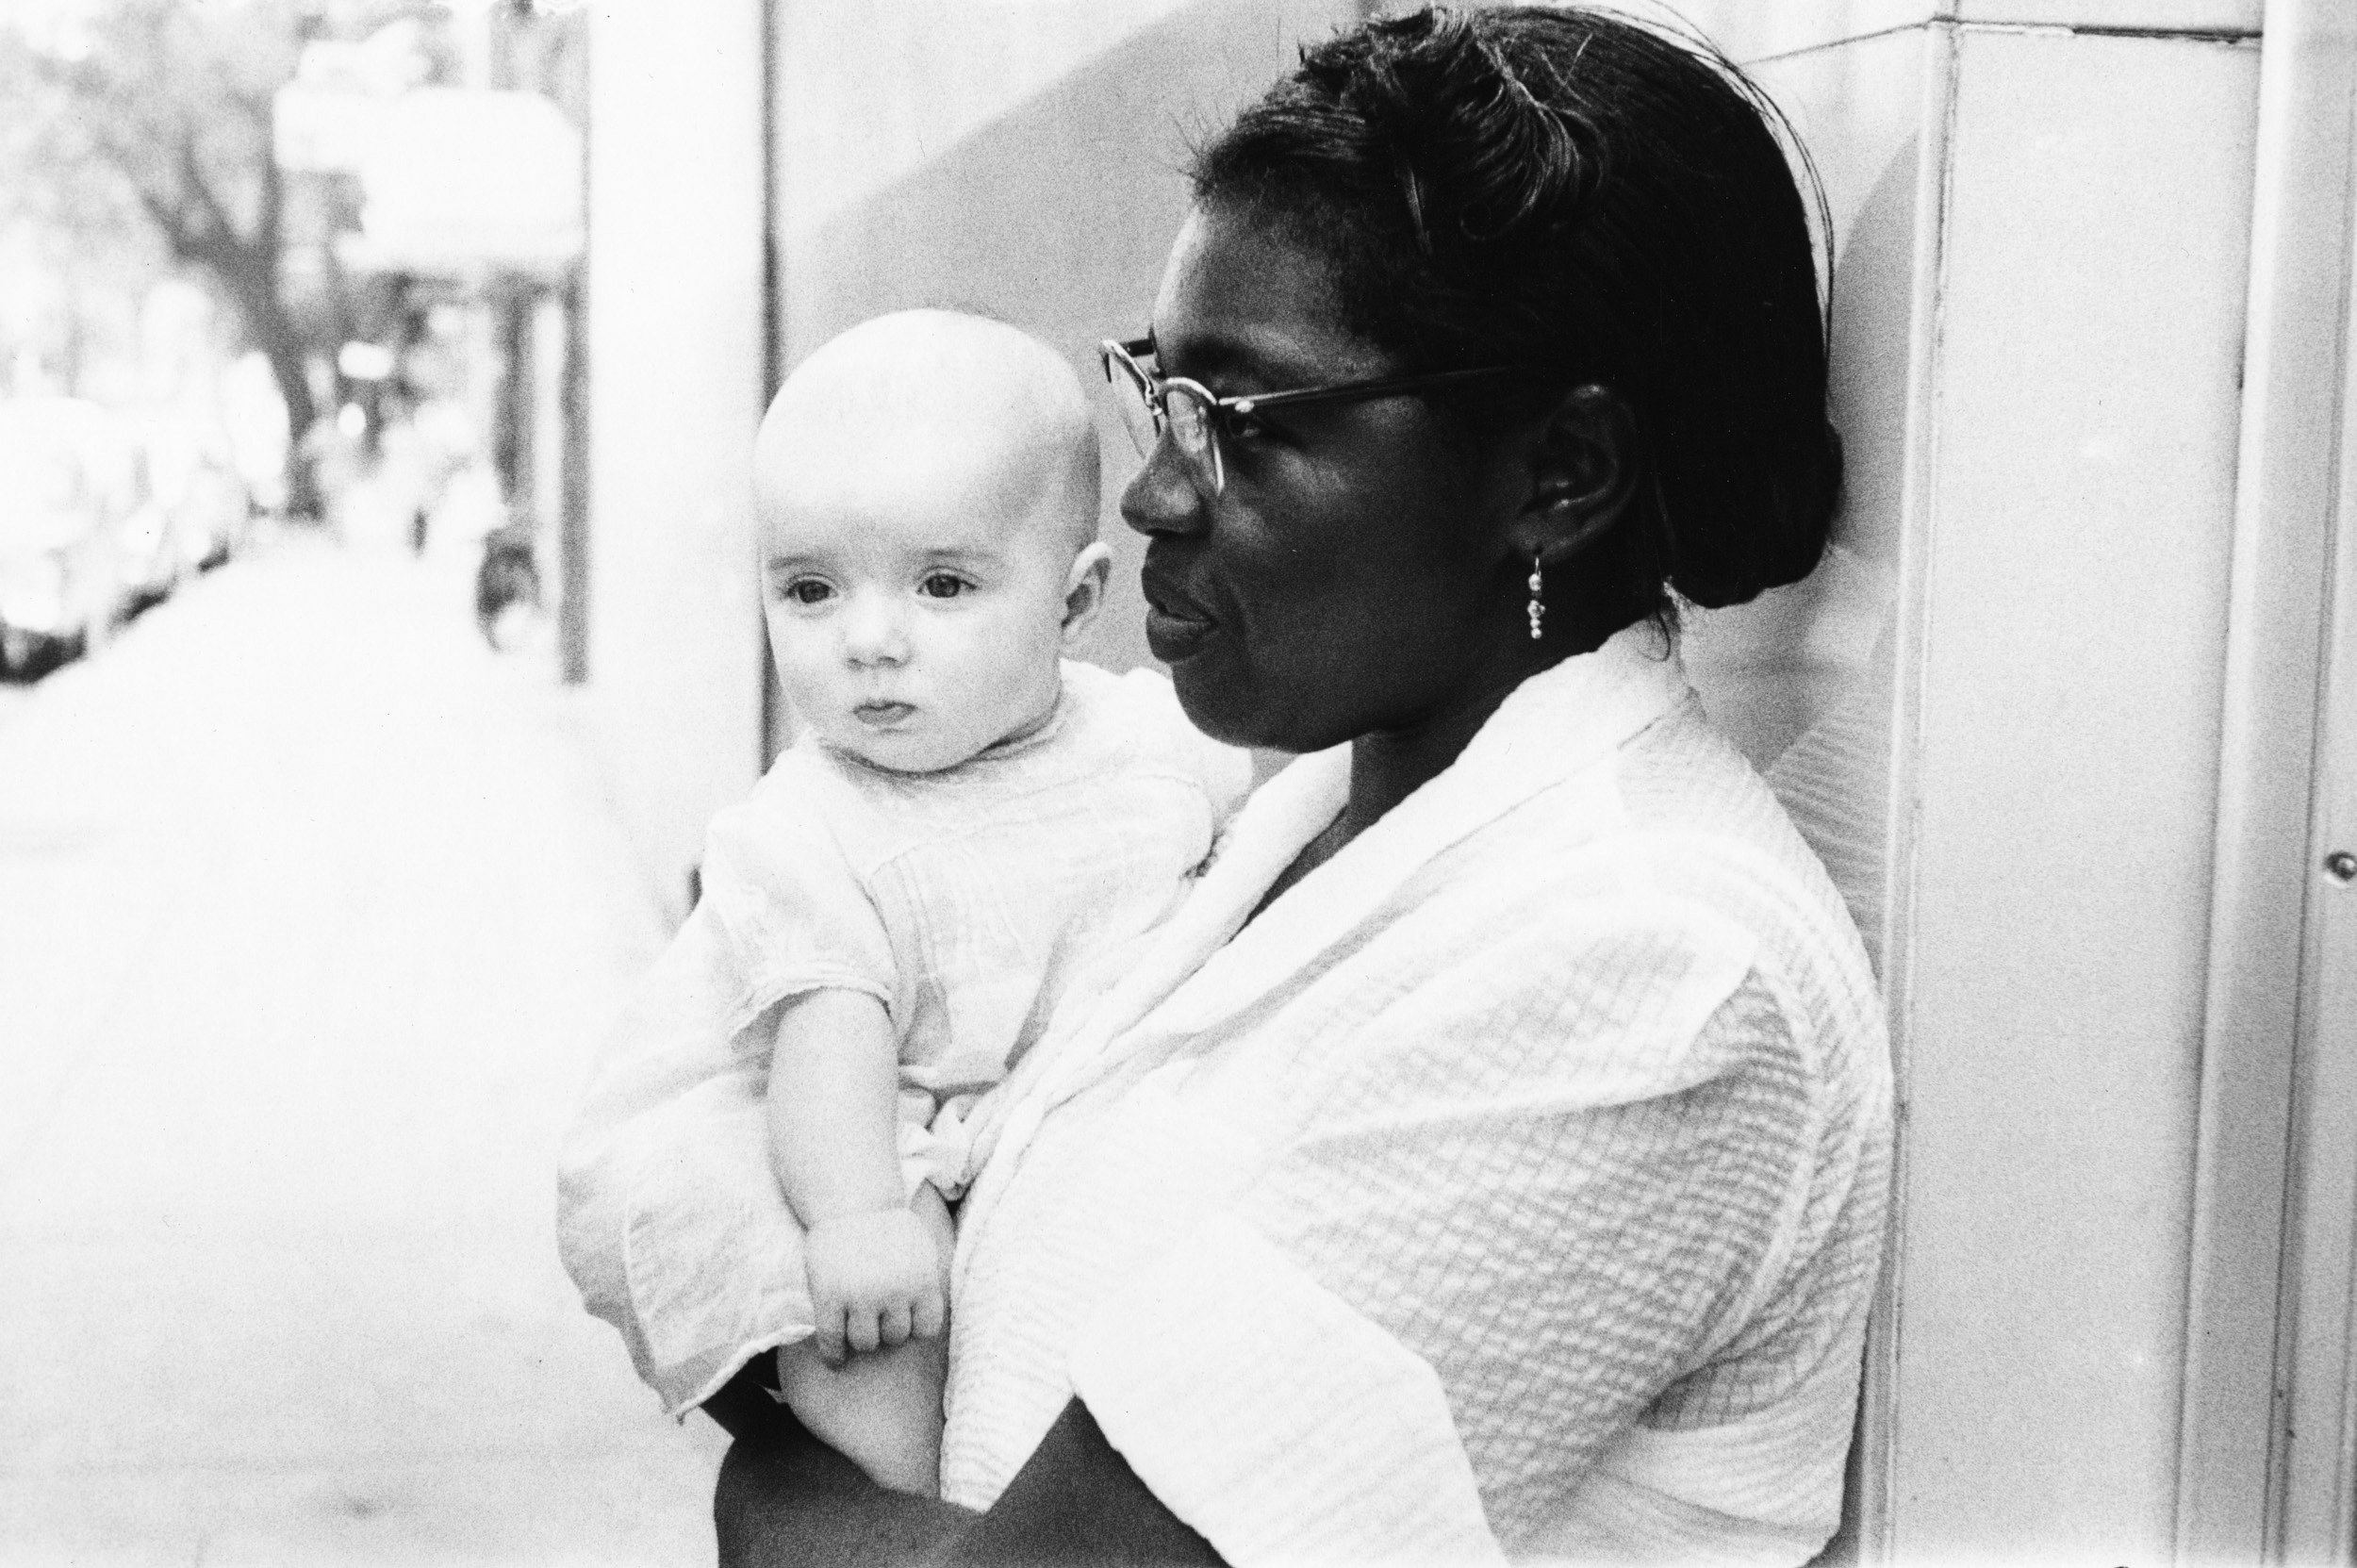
(1085, 589)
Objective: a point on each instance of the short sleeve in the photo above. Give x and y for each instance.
(1541, 1185)
(668, 1217)
(781, 883)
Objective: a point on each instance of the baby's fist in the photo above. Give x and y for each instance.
(874, 1280)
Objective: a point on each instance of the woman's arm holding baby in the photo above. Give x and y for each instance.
(834, 1090)
(784, 1500)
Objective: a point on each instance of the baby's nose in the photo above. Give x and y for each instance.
(875, 631)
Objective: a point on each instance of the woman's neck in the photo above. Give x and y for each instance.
(1388, 765)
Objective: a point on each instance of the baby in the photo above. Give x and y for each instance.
(965, 821)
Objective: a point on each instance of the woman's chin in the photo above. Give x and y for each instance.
(1230, 708)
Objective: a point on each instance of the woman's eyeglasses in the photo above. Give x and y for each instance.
(1195, 416)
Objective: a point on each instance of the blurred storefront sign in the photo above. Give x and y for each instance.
(324, 130)
(454, 181)
(462, 181)
(327, 120)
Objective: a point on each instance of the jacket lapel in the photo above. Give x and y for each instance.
(1205, 964)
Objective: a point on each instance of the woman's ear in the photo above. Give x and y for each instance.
(1084, 589)
(1583, 476)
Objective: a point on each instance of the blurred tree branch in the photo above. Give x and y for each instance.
(156, 114)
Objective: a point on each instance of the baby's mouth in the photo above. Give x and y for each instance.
(882, 714)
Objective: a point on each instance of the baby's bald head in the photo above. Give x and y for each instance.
(924, 402)
(927, 490)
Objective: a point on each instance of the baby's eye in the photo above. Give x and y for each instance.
(809, 590)
(943, 584)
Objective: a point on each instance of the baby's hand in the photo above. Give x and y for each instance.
(875, 1279)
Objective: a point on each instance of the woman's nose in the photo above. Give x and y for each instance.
(1163, 498)
(875, 631)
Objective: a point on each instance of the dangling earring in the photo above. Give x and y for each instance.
(1537, 604)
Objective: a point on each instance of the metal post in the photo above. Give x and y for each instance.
(572, 517)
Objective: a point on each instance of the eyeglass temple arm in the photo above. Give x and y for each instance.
(1130, 349)
(1136, 348)
(1370, 390)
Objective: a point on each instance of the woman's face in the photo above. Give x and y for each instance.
(1353, 575)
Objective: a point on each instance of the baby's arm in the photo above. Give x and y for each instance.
(875, 1273)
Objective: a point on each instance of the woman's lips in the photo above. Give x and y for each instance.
(1174, 628)
(1174, 636)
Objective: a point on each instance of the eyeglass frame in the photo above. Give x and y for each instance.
(1155, 387)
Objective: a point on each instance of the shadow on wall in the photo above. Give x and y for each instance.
(1802, 678)
(1056, 217)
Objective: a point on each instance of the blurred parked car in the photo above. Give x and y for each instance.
(191, 473)
(148, 561)
(216, 516)
(69, 479)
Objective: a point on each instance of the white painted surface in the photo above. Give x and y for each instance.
(1758, 31)
(2316, 1450)
(2074, 591)
(2233, 1422)
(675, 394)
(2154, 15)
(1753, 32)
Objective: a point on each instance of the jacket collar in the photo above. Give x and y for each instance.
(1205, 964)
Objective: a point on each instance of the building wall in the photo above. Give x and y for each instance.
(1995, 708)
(1019, 161)
(2071, 657)
(2042, 223)
(675, 368)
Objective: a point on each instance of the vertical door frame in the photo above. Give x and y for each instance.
(2314, 1460)
(773, 731)
(2272, 1221)
(1872, 1504)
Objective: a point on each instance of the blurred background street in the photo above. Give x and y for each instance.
(312, 907)
(316, 889)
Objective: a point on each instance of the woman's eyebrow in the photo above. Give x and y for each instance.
(1229, 359)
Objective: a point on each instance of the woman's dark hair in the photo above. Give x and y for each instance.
(1576, 192)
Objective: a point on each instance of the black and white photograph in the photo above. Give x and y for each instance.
(892, 784)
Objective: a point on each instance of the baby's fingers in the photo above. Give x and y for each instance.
(830, 1334)
(928, 1317)
(893, 1327)
(860, 1329)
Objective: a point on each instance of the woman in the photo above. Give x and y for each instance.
(1490, 1158)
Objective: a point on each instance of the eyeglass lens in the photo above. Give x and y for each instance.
(1192, 428)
